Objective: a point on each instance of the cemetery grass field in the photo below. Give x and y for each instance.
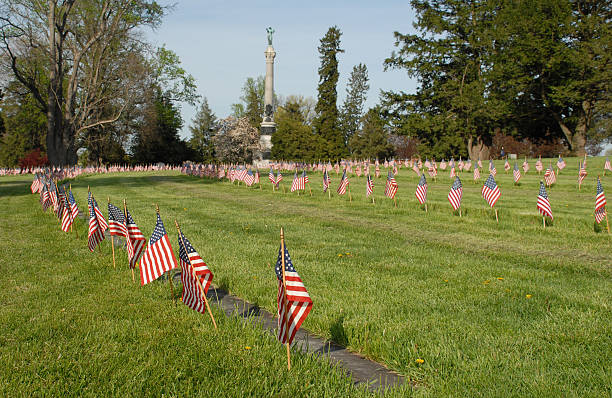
(508, 309)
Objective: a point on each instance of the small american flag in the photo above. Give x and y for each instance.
(516, 173)
(369, 186)
(421, 190)
(543, 203)
(299, 302)
(304, 179)
(377, 170)
(135, 242)
(506, 165)
(432, 170)
(455, 194)
(73, 205)
(607, 165)
(476, 174)
(525, 166)
(549, 176)
(279, 178)
(116, 221)
(158, 257)
(298, 183)
(344, 182)
(600, 203)
(453, 172)
(192, 267)
(492, 169)
(97, 224)
(326, 180)
(67, 218)
(256, 177)
(249, 178)
(539, 166)
(561, 163)
(582, 173)
(490, 191)
(443, 164)
(390, 186)
(271, 176)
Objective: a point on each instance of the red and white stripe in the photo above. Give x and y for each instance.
(300, 305)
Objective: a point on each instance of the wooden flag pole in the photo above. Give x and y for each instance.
(282, 234)
(607, 223)
(328, 193)
(349, 192)
(201, 288)
(309, 189)
(459, 211)
(496, 219)
(425, 207)
(128, 237)
(169, 271)
(544, 222)
(112, 241)
(394, 201)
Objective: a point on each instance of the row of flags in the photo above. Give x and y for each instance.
(294, 303)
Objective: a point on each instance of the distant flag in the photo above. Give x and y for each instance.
(543, 203)
(433, 171)
(67, 218)
(415, 168)
(295, 185)
(97, 224)
(73, 205)
(279, 178)
(271, 176)
(326, 180)
(479, 163)
(455, 194)
(249, 178)
(377, 170)
(45, 197)
(369, 186)
(506, 165)
(116, 221)
(390, 186)
(158, 256)
(135, 242)
(344, 182)
(188, 258)
(539, 166)
(525, 166)
(600, 203)
(443, 164)
(492, 169)
(294, 304)
(490, 191)
(453, 172)
(549, 176)
(607, 165)
(476, 174)
(358, 170)
(421, 190)
(582, 173)
(516, 173)
(560, 163)
(256, 177)
(304, 179)
(467, 165)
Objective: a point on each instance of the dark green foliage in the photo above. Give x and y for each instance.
(293, 139)
(158, 139)
(253, 97)
(372, 142)
(352, 109)
(326, 125)
(202, 130)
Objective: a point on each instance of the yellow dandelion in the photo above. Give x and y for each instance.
(486, 282)
(528, 296)
(446, 280)
(247, 347)
(419, 361)
(184, 208)
(340, 255)
(499, 278)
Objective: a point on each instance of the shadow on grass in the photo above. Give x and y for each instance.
(337, 332)
(15, 188)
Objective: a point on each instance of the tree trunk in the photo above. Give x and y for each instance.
(478, 148)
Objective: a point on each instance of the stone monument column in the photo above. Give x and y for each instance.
(268, 127)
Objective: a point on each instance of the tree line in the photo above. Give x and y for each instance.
(527, 74)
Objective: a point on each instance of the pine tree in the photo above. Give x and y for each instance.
(332, 145)
(293, 138)
(202, 131)
(352, 109)
(372, 142)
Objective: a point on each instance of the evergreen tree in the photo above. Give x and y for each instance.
(253, 98)
(326, 126)
(202, 131)
(352, 109)
(372, 142)
(293, 138)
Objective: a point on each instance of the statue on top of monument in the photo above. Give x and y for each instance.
(270, 32)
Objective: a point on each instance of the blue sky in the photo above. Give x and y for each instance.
(221, 43)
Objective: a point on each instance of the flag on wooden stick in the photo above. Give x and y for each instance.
(600, 203)
(188, 258)
(158, 257)
(490, 191)
(97, 224)
(516, 173)
(455, 194)
(544, 203)
(135, 241)
(421, 190)
(390, 186)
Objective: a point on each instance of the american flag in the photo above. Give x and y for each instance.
(97, 224)
(188, 258)
(539, 166)
(158, 257)
(116, 221)
(480, 163)
(59, 211)
(490, 191)
(516, 173)
(476, 174)
(561, 163)
(607, 165)
(304, 178)
(549, 176)
(453, 172)
(582, 173)
(525, 166)
(45, 197)
(492, 169)
(377, 170)
(326, 180)
(415, 168)
(73, 205)
(344, 182)
(543, 203)
(271, 176)
(600, 203)
(249, 178)
(390, 186)
(256, 177)
(279, 178)
(468, 165)
(433, 171)
(455, 194)
(369, 186)
(297, 298)
(443, 164)
(506, 165)
(67, 218)
(358, 171)
(421, 190)
(298, 183)
(136, 240)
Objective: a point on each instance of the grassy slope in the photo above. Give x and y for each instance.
(414, 284)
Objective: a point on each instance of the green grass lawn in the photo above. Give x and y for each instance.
(508, 309)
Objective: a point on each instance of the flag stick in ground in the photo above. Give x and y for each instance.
(496, 219)
(112, 241)
(544, 222)
(169, 272)
(349, 192)
(193, 273)
(282, 236)
(99, 245)
(425, 207)
(125, 215)
(309, 190)
(394, 202)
